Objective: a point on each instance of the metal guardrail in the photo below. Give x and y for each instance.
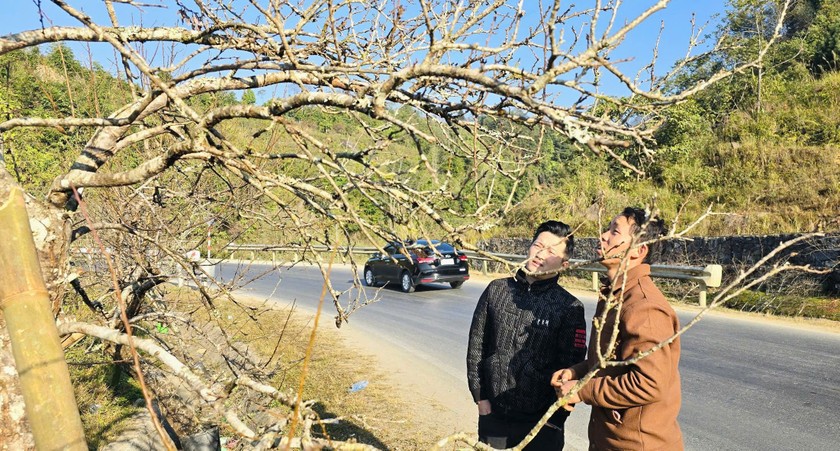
(706, 276)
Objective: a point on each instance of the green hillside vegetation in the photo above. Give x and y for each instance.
(453, 174)
(763, 146)
(51, 85)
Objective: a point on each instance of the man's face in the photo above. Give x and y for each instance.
(547, 254)
(616, 240)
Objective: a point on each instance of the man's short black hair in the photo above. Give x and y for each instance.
(560, 229)
(647, 228)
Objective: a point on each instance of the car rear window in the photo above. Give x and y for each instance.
(441, 248)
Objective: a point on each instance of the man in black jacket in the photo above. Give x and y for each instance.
(524, 328)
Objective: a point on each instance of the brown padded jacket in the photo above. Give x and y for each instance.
(635, 407)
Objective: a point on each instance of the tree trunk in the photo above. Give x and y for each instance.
(13, 425)
(50, 233)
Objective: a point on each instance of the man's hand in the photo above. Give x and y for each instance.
(563, 381)
(562, 376)
(484, 407)
(564, 389)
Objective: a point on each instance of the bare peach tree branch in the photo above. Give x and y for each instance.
(371, 119)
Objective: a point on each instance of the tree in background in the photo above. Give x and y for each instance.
(454, 101)
(248, 97)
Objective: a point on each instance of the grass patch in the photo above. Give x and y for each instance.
(786, 305)
(105, 395)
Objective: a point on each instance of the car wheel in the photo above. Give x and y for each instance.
(369, 280)
(406, 284)
(456, 285)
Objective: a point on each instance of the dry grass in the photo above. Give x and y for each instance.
(372, 416)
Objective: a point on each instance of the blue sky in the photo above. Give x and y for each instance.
(20, 15)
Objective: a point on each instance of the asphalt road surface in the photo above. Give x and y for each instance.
(748, 384)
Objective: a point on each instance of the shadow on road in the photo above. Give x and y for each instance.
(419, 288)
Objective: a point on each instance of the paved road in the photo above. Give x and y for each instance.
(747, 384)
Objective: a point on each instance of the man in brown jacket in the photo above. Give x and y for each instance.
(634, 404)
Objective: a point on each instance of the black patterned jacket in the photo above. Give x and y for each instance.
(521, 334)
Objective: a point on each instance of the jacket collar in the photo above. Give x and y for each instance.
(629, 280)
(537, 284)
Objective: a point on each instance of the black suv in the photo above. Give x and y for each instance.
(413, 263)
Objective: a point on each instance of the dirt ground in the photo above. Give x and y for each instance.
(436, 408)
(425, 406)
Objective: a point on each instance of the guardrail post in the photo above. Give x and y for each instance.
(714, 277)
(484, 267)
(595, 282)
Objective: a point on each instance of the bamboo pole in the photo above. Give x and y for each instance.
(44, 378)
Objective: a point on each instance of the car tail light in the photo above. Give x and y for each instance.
(462, 258)
(425, 259)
